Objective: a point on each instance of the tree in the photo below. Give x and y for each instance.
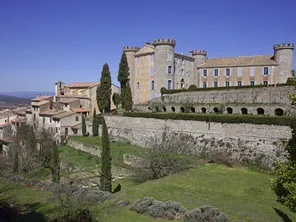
(55, 164)
(127, 97)
(104, 90)
(15, 162)
(95, 124)
(284, 185)
(292, 96)
(83, 125)
(106, 176)
(116, 99)
(123, 76)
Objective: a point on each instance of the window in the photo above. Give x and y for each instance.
(138, 60)
(43, 119)
(265, 83)
(138, 72)
(227, 72)
(169, 69)
(170, 57)
(182, 83)
(239, 83)
(77, 118)
(205, 72)
(34, 116)
(151, 71)
(216, 72)
(169, 84)
(138, 85)
(182, 72)
(252, 83)
(5, 121)
(204, 84)
(265, 71)
(50, 120)
(227, 84)
(56, 129)
(66, 105)
(252, 71)
(152, 58)
(215, 84)
(239, 72)
(152, 85)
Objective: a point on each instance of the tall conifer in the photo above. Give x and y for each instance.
(104, 90)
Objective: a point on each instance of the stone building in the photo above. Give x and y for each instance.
(158, 65)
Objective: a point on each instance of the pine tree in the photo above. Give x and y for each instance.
(83, 125)
(106, 176)
(123, 76)
(104, 90)
(128, 98)
(15, 162)
(55, 164)
(95, 124)
(116, 99)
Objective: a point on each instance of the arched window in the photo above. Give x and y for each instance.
(157, 108)
(260, 111)
(164, 109)
(182, 83)
(173, 109)
(216, 110)
(278, 112)
(244, 111)
(192, 109)
(182, 109)
(203, 110)
(229, 110)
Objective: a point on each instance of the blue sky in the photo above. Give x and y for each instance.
(44, 41)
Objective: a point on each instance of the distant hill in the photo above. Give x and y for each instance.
(11, 100)
(26, 94)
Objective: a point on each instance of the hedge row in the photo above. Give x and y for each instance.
(172, 91)
(219, 118)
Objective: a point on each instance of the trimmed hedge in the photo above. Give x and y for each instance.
(219, 118)
(172, 91)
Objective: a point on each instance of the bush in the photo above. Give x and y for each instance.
(157, 209)
(220, 118)
(192, 88)
(205, 214)
(163, 90)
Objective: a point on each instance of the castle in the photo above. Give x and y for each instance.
(158, 65)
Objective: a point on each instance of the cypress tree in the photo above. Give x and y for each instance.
(128, 98)
(83, 125)
(15, 162)
(55, 164)
(95, 124)
(104, 90)
(123, 76)
(116, 99)
(106, 176)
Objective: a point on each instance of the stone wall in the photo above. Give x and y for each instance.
(247, 143)
(91, 149)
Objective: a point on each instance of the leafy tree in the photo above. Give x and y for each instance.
(116, 99)
(83, 125)
(55, 164)
(15, 162)
(284, 185)
(123, 76)
(128, 98)
(106, 176)
(95, 124)
(292, 96)
(104, 90)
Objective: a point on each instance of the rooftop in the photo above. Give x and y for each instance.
(62, 115)
(82, 84)
(19, 120)
(68, 100)
(239, 61)
(5, 125)
(51, 112)
(40, 98)
(80, 110)
(43, 102)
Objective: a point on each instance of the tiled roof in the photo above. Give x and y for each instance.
(239, 61)
(68, 100)
(82, 84)
(43, 102)
(62, 115)
(5, 125)
(51, 112)
(19, 120)
(80, 110)
(40, 98)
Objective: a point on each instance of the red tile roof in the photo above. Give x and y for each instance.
(239, 61)
(51, 112)
(5, 125)
(40, 98)
(80, 110)
(19, 120)
(82, 84)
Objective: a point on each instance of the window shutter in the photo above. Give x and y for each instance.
(262, 71)
(252, 71)
(213, 73)
(230, 72)
(230, 83)
(167, 84)
(225, 72)
(239, 72)
(150, 85)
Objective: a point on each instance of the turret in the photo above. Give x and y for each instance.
(199, 59)
(283, 55)
(164, 64)
(130, 52)
(59, 89)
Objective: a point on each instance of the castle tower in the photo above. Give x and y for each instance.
(163, 64)
(199, 59)
(283, 55)
(130, 52)
(59, 89)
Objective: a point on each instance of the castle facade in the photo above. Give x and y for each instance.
(157, 65)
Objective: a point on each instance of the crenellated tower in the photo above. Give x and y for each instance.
(200, 57)
(163, 63)
(130, 52)
(283, 55)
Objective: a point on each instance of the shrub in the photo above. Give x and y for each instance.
(192, 88)
(205, 214)
(163, 90)
(220, 118)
